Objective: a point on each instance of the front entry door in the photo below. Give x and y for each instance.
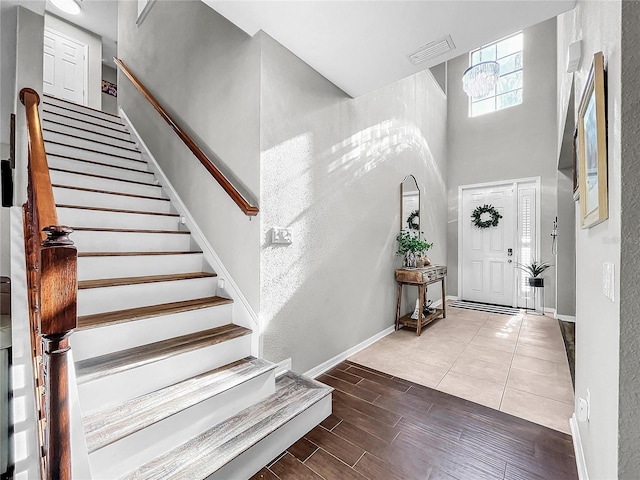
(488, 254)
(65, 68)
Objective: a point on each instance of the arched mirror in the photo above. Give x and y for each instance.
(410, 204)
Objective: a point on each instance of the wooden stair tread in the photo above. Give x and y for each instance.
(87, 174)
(214, 448)
(76, 159)
(121, 129)
(128, 230)
(131, 314)
(117, 210)
(132, 254)
(46, 95)
(47, 121)
(112, 363)
(108, 192)
(53, 142)
(116, 282)
(66, 134)
(106, 426)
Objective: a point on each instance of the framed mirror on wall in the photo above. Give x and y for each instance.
(410, 205)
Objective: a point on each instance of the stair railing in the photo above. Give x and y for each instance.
(239, 198)
(51, 260)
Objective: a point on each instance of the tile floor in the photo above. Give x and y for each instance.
(515, 364)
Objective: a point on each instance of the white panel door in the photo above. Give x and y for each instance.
(487, 265)
(65, 68)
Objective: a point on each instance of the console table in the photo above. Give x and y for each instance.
(420, 277)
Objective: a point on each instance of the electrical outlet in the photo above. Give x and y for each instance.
(281, 235)
(608, 281)
(582, 410)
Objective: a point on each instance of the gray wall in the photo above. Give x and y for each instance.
(598, 321)
(629, 401)
(94, 55)
(517, 142)
(109, 103)
(565, 259)
(207, 76)
(331, 171)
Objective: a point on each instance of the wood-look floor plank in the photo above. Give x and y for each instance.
(394, 383)
(265, 474)
(365, 422)
(350, 364)
(335, 445)
(366, 395)
(290, 468)
(372, 467)
(413, 432)
(343, 375)
(380, 414)
(302, 449)
(330, 422)
(330, 468)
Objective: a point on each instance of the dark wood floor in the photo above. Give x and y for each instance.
(387, 428)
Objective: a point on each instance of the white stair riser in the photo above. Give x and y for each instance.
(103, 135)
(252, 460)
(57, 150)
(92, 241)
(97, 218)
(85, 118)
(117, 459)
(106, 299)
(120, 387)
(69, 196)
(94, 342)
(90, 144)
(99, 169)
(98, 183)
(93, 268)
(52, 101)
(116, 131)
(76, 152)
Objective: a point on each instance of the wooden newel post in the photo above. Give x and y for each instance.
(58, 319)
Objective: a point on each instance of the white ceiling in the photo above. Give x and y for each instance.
(97, 16)
(363, 45)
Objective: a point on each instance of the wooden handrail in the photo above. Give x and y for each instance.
(228, 187)
(51, 260)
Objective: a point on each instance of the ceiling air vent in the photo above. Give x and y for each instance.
(432, 50)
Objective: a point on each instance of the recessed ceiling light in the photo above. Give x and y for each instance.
(67, 6)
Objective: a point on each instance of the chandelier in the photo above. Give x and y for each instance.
(479, 81)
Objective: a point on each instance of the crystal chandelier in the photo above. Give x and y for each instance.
(479, 81)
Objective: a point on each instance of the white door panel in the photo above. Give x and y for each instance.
(487, 274)
(64, 67)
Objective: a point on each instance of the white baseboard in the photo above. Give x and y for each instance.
(332, 362)
(577, 448)
(283, 366)
(453, 297)
(566, 318)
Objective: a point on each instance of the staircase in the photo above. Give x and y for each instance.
(166, 383)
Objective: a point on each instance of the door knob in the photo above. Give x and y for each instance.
(509, 261)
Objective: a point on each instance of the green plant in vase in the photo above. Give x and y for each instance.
(535, 269)
(410, 246)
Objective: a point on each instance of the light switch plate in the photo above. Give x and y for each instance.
(608, 281)
(281, 235)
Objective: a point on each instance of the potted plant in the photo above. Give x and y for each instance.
(535, 269)
(411, 245)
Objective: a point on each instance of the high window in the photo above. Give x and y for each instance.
(508, 92)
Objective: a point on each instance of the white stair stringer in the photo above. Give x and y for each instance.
(162, 358)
